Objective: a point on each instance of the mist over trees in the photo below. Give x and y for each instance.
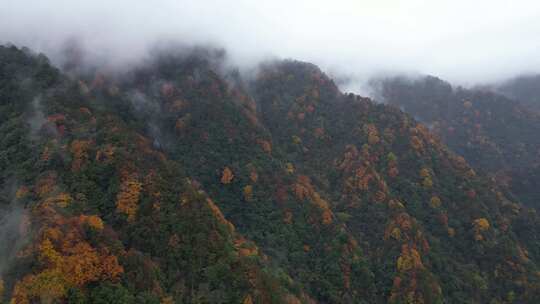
(271, 152)
(182, 180)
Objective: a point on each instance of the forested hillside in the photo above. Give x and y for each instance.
(525, 88)
(180, 181)
(497, 135)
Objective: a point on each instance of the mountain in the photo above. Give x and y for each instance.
(495, 134)
(182, 181)
(525, 88)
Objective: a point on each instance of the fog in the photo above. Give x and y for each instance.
(465, 42)
(13, 225)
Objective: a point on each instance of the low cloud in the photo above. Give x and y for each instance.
(13, 226)
(466, 42)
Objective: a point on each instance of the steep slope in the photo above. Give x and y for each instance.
(495, 134)
(181, 182)
(524, 88)
(213, 129)
(295, 163)
(406, 197)
(108, 218)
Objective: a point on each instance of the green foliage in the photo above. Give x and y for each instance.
(109, 293)
(495, 134)
(326, 219)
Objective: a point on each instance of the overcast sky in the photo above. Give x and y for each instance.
(464, 41)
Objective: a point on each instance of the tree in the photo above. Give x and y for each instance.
(79, 148)
(111, 293)
(227, 176)
(127, 199)
(248, 193)
(1, 288)
(435, 202)
(253, 176)
(265, 145)
(480, 225)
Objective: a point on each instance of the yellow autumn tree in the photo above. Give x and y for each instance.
(47, 286)
(409, 259)
(62, 200)
(167, 300)
(435, 202)
(289, 168)
(247, 300)
(479, 226)
(22, 192)
(248, 193)
(296, 139)
(427, 182)
(396, 233)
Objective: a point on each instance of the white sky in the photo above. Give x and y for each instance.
(462, 41)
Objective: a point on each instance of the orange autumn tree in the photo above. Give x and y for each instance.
(392, 165)
(265, 145)
(372, 133)
(46, 185)
(66, 260)
(417, 144)
(303, 189)
(254, 176)
(79, 149)
(227, 176)
(92, 221)
(127, 199)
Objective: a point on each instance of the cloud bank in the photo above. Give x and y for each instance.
(465, 42)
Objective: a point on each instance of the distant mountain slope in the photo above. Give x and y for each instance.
(181, 182)
(524, 88)
(495, 134)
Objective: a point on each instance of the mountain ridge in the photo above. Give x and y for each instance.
(177, 186)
